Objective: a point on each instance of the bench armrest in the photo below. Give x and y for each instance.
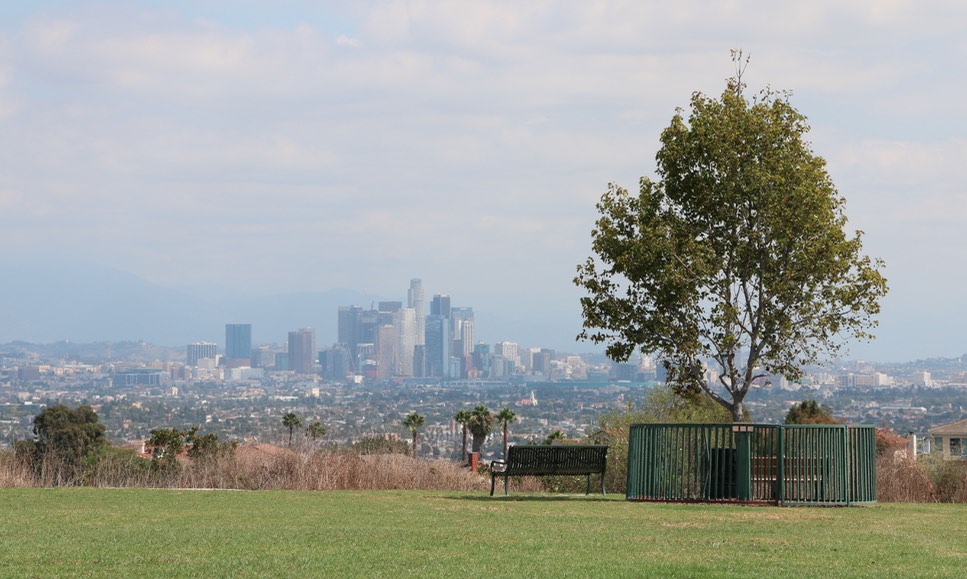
(498, 465)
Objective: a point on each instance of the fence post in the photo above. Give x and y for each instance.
(743, 457)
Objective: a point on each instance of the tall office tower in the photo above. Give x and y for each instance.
(542, 361)
(263, 357)
(527, 357)
(481, 358)
(437, 345)
(357, 326)
(414, 299)
(335, 364)
(461, 324)
(302, 350)
(200, 350)
(238, 341)
(440, 306)
(462, 345)
(386, 358)
(419, 361)
(348, 326)
(368, 325)
(508, 350)
(406, 340)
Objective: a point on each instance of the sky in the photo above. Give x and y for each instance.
(264, 147)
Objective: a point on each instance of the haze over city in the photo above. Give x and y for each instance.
(235, 157)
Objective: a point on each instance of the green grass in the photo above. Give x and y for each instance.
(144, 532)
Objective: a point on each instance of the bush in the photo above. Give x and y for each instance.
(660, 404)
(948, 477)
(900, 479)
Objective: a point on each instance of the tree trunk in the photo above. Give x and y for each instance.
(505, 441)
(414, 444)
(463, 450)
(478, 440)
(738, 412)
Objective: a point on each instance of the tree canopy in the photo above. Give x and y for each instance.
(68, 434)
(481, 425)
(737, 255)
(810, 412)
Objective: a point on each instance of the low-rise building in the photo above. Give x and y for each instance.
(952, 439)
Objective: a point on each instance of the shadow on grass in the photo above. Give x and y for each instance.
(539, 498)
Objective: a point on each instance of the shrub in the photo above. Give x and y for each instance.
(660, 404)
(948, 477)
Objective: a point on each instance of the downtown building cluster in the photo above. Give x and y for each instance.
(388, 340)
(397, 340)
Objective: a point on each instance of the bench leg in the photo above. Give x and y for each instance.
(603, 492)
(506, 485)
(588, 491)
(493, 479)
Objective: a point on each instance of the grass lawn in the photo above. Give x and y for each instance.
(145, 532)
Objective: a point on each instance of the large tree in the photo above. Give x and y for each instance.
(67, 437)
(810, 412)
(736, 255)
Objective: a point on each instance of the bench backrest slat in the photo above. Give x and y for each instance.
(554, 460)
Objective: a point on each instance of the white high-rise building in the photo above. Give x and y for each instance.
(414, 299)
(461, 328)
(406, 334)
(509, 351)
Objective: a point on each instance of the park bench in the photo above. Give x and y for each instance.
(556, 460)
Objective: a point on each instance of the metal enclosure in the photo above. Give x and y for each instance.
(822, 465)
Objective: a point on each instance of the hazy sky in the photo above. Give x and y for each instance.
(275, 146)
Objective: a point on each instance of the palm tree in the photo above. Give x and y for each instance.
(462, 417)
(315, 430)
(291, 421)
(481, 425)
(504, 418)
(553, 437)
(413, 422)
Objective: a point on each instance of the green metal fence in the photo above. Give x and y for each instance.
(786, 465)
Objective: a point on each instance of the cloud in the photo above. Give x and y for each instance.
(353, 144)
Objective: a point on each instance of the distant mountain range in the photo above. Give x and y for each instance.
(45, 303)
(40, 303)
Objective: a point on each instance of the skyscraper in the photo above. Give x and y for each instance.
(440, 306)
(414, 299)
(437, 345)
(238, 341)
(386, 355)
(461, 329)
(357, 326)
(406, 340)
(302, 350)
(199, 351)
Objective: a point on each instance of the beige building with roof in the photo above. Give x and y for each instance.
(952, 439)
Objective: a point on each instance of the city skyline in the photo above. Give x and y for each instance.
(233, 152)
